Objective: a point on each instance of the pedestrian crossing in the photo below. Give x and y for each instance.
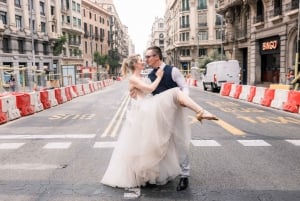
(63, 145)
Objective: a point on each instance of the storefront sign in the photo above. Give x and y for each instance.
(270, 45)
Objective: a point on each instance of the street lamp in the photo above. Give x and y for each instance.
(221, 16)
(31, 71)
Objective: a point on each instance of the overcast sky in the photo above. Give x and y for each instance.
(138, 16)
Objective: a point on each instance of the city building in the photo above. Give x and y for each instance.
(193, 31)
(262, 35)
(28, 32)
(96, 26)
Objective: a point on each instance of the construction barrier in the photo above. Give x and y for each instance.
(23, 103)
(293, 102)
(9, 106)
(280, 97)
(58, 95)
(268, 97)
(68, 93)
(52, 98)
(245, 91)
(17, 104)
(259, 94)
(80, 90)
(35, 101)
(225, 89)
(251, 93)
(3, 117)
(44, 96)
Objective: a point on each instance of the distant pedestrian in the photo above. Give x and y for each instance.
(12, 83)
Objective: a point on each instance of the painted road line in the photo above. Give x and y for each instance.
(24, 137)
(110, 144)
(112, 122)
(231, 129)
(11, 145)
(254, 143)
(205, 143)
(57, 145)
(120, 119)
(27, 166)
(294, 142)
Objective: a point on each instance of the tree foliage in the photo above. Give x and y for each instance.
(59, 44)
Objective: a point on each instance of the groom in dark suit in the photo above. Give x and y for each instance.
(172, 78)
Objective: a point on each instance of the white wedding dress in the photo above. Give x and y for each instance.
(154, 131)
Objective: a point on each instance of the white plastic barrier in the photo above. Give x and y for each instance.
(63, 94)
(86, 88)
(259, 94)
(35, 101)
(95, 86)
(280, 97)
(52, 99)
(73, 93)
(79, 90)
(9, 106)
(232, 91)
(245, 92)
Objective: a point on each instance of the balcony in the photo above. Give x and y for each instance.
(292, 8)
(275, 15)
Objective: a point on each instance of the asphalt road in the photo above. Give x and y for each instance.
(251, 154)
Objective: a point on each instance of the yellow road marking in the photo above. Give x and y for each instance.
(233, 130)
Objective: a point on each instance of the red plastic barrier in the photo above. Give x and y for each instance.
(226, 89)
(68, 93)
(23, 104)
(44, 96)
(58, 96)
(293, 102)
(252, 93)
(238, 91)
(3, 117)
(91, 86)
(74, 87)
(268, 97)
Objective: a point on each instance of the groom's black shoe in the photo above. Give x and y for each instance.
(183, 184)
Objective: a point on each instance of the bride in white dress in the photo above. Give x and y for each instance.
(145, 151)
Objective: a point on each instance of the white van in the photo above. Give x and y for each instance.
(218, 72)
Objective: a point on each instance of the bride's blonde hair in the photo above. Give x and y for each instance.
(128, 63)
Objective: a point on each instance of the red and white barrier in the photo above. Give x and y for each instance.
(280, 97)
(9, 106)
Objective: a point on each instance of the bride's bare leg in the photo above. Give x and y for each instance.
(186, 101)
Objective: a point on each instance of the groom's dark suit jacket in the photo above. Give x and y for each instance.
(166, 81)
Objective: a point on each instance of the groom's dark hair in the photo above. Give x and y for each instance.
(157, 51)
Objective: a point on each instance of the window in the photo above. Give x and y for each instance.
(43, 27)
(36, 46)
(52, 10)
(73, 5)
(6, 44)
(3, 17)
(74, 21)
(45, 48)
(18, 3)
(185, 5)
(219, 19)
(19, 22)
(42, 8)
(202, 4)
(202, 52)
(202, 20)
(78, 8)
(203, 35)
(21, 43)
(218, 34)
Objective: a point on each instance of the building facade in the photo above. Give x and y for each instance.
(28, 31)
(262, 35)
(193, 31)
